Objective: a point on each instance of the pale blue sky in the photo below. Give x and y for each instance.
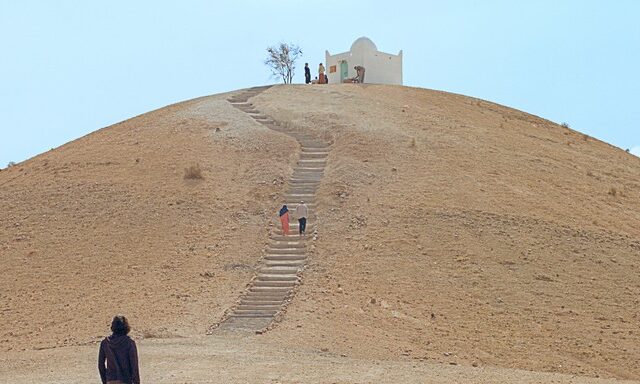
(71, 67)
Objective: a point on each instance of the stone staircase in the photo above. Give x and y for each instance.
(285, 256)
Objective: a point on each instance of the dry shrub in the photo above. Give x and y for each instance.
(193, 172)
(413, 142)
(613, 191)
(565, 125)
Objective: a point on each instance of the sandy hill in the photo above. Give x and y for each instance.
(450, 230)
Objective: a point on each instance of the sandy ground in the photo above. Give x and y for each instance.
(240, 359)
(451, 231)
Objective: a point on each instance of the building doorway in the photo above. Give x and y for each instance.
(344, 70)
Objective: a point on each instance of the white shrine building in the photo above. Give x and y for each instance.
(380, 67)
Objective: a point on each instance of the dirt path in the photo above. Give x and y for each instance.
(252, 359)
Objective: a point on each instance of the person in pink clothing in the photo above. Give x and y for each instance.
(284, 219)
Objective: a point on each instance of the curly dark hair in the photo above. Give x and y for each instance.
(120, 325)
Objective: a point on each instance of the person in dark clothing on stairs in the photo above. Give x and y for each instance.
(307, 73)
(118, 356)
(302, 211)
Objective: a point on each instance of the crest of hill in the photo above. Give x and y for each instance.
(450, 229)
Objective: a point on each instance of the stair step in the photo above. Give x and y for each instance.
(288, 263)
(289, 246)
(277, 277)
(303, 183)
(254, 313)
(279, 271)
(242, 307)
(308, 199)
(270, 289)
(264, 296)
(309, 167)
(276, 254)
(263, 283)
(260, 88)
(249, 316)
(294, 204)
(262, 302)
(291, 236)
(306, 172)
(305, 167)
(294, 241)
(294, 223)
(303, 189)
(293, 227)
(300, 191)
(293, 181)
(285, 257)
(284, 260)
(293, 231)
(286, 251)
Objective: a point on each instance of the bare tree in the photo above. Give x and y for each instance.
(282, 60)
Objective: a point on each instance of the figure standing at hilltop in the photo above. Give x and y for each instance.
(118, 356)
(321, 78)
(302, 211)
(284, 219)
(307, 73)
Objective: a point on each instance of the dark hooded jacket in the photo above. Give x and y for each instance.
(120, 354)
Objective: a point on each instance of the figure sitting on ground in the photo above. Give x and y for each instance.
(359, 78)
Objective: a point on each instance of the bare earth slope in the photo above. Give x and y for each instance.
(108, 224)
(451, 230)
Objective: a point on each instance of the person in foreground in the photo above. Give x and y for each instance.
(118, 357)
